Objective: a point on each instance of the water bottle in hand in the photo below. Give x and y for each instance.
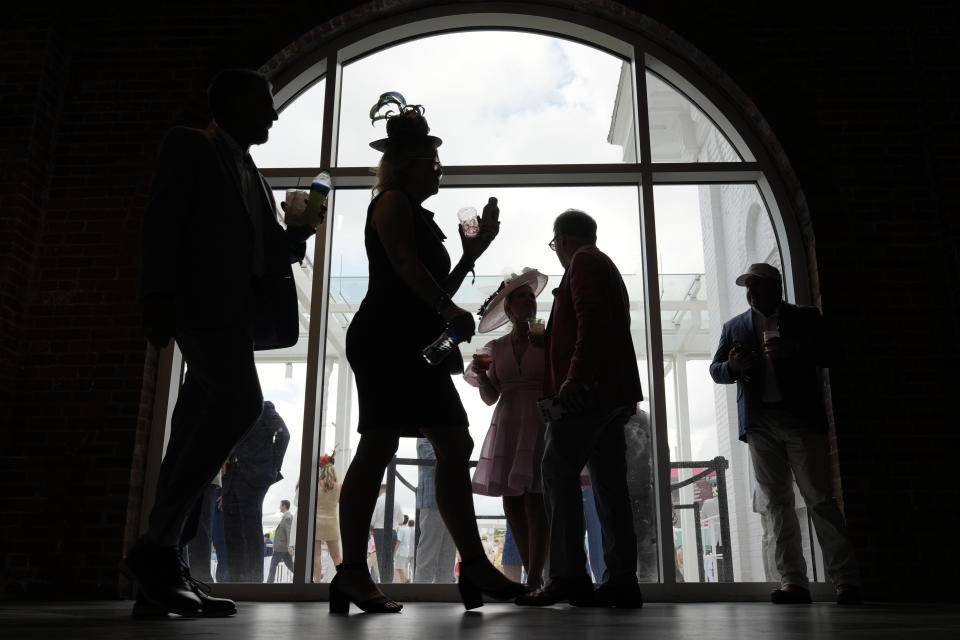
(440, 348)
(317, 204)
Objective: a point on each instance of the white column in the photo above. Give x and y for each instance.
(344, 415)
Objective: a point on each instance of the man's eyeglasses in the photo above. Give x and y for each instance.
(553, 244)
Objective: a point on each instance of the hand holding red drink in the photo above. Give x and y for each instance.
(481, 361)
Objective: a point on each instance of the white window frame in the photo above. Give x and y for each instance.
(327, 61)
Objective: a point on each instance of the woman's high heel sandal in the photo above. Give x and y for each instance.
(472, 593)
(340, 600)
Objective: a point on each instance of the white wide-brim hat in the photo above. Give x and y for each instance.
(492, 313)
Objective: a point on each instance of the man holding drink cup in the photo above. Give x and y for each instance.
(215, 276)
(774, 353)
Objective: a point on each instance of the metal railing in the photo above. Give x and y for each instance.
(719, 465)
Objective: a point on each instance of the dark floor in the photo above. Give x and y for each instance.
(422, 621)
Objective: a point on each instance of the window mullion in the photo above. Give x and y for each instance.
(651, 290)
(303, 560)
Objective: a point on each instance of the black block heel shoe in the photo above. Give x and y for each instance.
(340, 600)
(472, 593)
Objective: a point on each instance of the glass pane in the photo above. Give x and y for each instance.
(702, 232)
(295, 137)
(680, 131)
(494, 97)
(251, 505)
(527, 218)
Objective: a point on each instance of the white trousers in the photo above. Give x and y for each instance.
(782, 449)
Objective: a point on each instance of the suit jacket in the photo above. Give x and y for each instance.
(588, 334)
(257, 458)
(281, 538)
(197, 244)
(799, 379)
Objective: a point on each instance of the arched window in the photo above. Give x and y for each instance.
(545, 112)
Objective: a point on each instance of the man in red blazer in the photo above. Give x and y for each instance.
(591, 367)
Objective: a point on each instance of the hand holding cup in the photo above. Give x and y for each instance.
(473, 247)
(536, 331)
(481, 360)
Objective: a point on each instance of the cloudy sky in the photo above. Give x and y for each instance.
(494, 98)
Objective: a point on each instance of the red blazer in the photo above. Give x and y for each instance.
(588, 334)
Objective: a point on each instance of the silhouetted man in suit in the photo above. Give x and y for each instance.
(253, 466)
(591, 367)
(282, 549)
(215, 275)
(773, 352)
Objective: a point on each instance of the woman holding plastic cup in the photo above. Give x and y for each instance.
(509, 373)
(407, 305)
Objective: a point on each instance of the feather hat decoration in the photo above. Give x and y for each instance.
(406, 126)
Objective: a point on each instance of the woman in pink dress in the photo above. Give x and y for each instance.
(509, 373)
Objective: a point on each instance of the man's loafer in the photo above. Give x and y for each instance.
(576, 591)
(790, 594)
(849, 594)
(210, 607)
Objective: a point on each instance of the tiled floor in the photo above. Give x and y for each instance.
(422, 621)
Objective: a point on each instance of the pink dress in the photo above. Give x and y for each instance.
(509, 462)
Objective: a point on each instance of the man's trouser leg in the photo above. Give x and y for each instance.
(775, 477)
(608, 475)
(219, 401)
(809, 456)
(568, 444)
(243, 530)
(436, 553)
(385, 541)
(594, 534)
(272, 571)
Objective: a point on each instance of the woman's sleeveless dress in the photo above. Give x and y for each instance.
(396, 389)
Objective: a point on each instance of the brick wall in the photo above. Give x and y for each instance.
(860, 104)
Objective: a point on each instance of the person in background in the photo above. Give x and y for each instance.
(774, 352)
(510, 562)
(509, 373)
(404, 543)
(385, 534)
(435, 554)
(327, 525)
(199, 549)
(282, 549)
(253, 466)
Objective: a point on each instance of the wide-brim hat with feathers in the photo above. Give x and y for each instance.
(492, 313)
(405, 128)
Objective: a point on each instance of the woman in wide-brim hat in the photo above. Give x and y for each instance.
(407, 306)
(511, 376)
